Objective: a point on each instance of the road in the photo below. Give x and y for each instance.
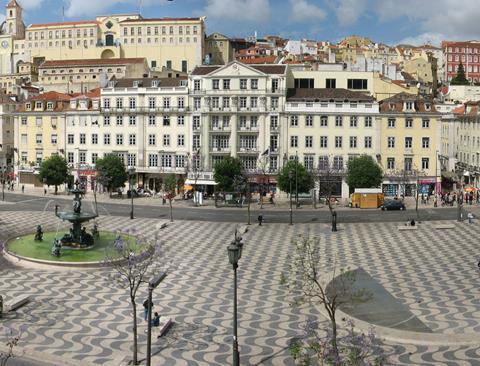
(302, 215)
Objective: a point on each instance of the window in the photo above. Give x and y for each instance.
(70, 139)
(106, 120)
(324, 121)
(425, 142)
(166, 102)
(132, 120)
(368, 142)
(131, 103)
(151, 120)
(338, 162)
(152, 139)
(53, 139)
(391, 123)
(38, 121)
(359, 84)
(425, 163)
(293, 141)
(106, 139)
(254, 84)
(408, 164)
(82, 157)
(166, 120)
(215, 84)
(152, 160)
(410, 106)
(353, 142)
(304, 83)
(38, 138)
(119, 120)
(82, 139)
(166, 140)
(425, 123)
(308, 162)
(309, 121)
(197, 102)
(181, 120)
(196, 85)
(181, 102)
(166, 161)
(391, 163)
(308, 141)
(94, 158)
(243, 84)
(391, 142)
(94, 139)
(226, 84)
(408, 142)
(323, 142)
(119, 139)
(253, 102)
(353, 121)
(330, 83)
(338, 121)
(181, 140)
(24, 121)
(131, 159)
(119, 102)
(196, 123)
(226, 102)
(196, 142)
(368, 121)
(294, 121)
(338, 142)
(151, 102)
(132, 139)
(408, 123)
(243, 102)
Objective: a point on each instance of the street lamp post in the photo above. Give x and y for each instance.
(234, 255)
(296, 179)
(131, 172)
(154, 282)
(290, 177)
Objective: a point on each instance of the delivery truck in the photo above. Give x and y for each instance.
(366, 198)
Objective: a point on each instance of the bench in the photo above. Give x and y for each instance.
(16, 302)
(403, 228)
(445, 227)
(164, 325)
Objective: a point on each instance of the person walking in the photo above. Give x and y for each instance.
(145, 309)
(23, 188)
(156, 323)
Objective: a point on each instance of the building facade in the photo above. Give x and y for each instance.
(175, 43)
(410, 138)
(465, 53)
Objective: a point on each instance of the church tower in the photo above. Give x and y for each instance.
(14, 21)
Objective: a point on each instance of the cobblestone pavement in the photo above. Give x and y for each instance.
(78, 314)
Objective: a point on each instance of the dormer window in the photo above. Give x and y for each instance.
(38, 105)
(391, 106)
(49, 106)
(28, 106)
(183, 82)
(73, 104)
(428, 106)
(409, 105)
(111, 84)
(136, 83)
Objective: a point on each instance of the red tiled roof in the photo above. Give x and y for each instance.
(259, 60)
(157, 20)
(91, 62)
(79, 22)
(459, 110)
(204, 70)
(51, 95)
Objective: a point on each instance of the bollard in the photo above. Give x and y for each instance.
(1, 306)
(260, 219)
(334, 221)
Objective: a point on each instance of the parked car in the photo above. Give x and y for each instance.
(392, 205)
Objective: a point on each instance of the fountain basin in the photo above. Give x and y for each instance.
(76, 217)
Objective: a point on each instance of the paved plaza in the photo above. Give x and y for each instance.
(78, 316)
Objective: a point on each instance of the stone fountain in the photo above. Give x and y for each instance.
(78, 237)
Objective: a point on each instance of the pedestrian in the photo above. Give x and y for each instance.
(145, 309)
(45, 191)
(260, 220)
(23, 188)
(435, 201)
(156, 323)
(470, 218)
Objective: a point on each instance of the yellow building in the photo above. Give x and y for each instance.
(218, 49)
(410, 136)
(39, 132)
(176, 43)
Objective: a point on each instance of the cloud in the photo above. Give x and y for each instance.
(348, 11)
(78, 8)
(30, 4)
(255, 11)
(434, 39)
(446, 17)
(302, 11)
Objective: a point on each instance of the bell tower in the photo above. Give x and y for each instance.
(14, 20)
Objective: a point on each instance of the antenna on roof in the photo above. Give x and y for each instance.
(140, 6)
(63, 11)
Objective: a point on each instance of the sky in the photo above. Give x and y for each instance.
(387, 21)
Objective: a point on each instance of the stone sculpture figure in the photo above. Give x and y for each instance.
(57, 245)
(39, 234)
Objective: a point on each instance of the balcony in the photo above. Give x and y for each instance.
(248, 129)
(274, 129)
(248, 150)
(220, 129)
(146, 110)
(222, 150)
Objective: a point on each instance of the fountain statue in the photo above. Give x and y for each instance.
(78, 237)
(39, 234)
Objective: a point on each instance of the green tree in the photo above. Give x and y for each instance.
(54, 171)
(170, 186)
(363, 172)
(460, 78)
(111, 172)
(225, 172)
(241, 184)
(305, 179)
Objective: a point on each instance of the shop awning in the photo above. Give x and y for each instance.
(201, 182)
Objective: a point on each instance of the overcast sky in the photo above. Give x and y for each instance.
(389, 21)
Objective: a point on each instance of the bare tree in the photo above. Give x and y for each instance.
(194, 167)
(12, 341)
(170, 189)
(243, 188)
(309, 281)
(328, 179)
(134, 262)
(262, 166)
